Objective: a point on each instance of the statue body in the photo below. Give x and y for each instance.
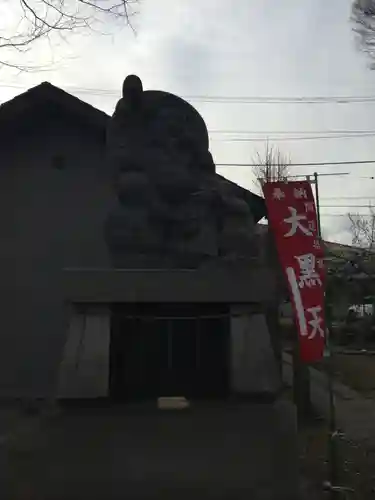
(171, 209)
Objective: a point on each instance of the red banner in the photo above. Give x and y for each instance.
(293, 220)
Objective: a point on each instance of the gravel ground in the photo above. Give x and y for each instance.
(356, 463)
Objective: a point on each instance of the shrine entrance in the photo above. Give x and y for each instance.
(169, 350)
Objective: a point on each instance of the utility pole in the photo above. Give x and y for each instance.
(301, 371)
(332, 484)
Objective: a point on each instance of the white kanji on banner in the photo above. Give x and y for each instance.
(308, 275)
(278, 194)
(316, 245)
(300, 193)
(309, 206)
(295, 222)
(315, 322)
(312, 225)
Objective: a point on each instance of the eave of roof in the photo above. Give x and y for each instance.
(46, 94)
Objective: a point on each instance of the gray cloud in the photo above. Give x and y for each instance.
(336, 229)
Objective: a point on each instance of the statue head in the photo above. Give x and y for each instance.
(152, 128)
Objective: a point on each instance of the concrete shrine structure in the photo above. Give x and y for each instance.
(129, 268)
(131, 272)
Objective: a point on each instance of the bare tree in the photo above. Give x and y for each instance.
(359, 270)
(363, 18)
(362, 228)
(25, 22)
(271, 166)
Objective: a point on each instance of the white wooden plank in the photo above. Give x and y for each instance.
(93, 370)
(84, 370)
(69, 363)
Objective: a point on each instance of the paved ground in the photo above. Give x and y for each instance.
(224, 451)
(355, 415)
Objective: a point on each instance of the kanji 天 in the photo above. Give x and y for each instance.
(315, 322)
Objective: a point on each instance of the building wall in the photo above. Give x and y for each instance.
(50, 219)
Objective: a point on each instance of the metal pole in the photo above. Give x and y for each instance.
(317, 203)
(332, 448)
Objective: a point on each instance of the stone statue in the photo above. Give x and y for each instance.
(172, 209)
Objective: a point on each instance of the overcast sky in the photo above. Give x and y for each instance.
(247, 48)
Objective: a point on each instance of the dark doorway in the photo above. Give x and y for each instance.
(169, 350)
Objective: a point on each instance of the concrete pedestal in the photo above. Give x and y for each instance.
(253, 365)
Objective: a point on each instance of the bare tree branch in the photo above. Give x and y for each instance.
(271, 166)
(39, 19)
(363, 19)
(362, 229)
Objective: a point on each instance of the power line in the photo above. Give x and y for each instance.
(311, 135)
(306, 138)
(325, 174)
(286, 132)
(224, 99)
(308, 164)
(347, 197)
(282, 99)
(345, 206)
(327, 214)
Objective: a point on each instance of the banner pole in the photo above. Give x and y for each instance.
(317, 204)
(333, 434)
